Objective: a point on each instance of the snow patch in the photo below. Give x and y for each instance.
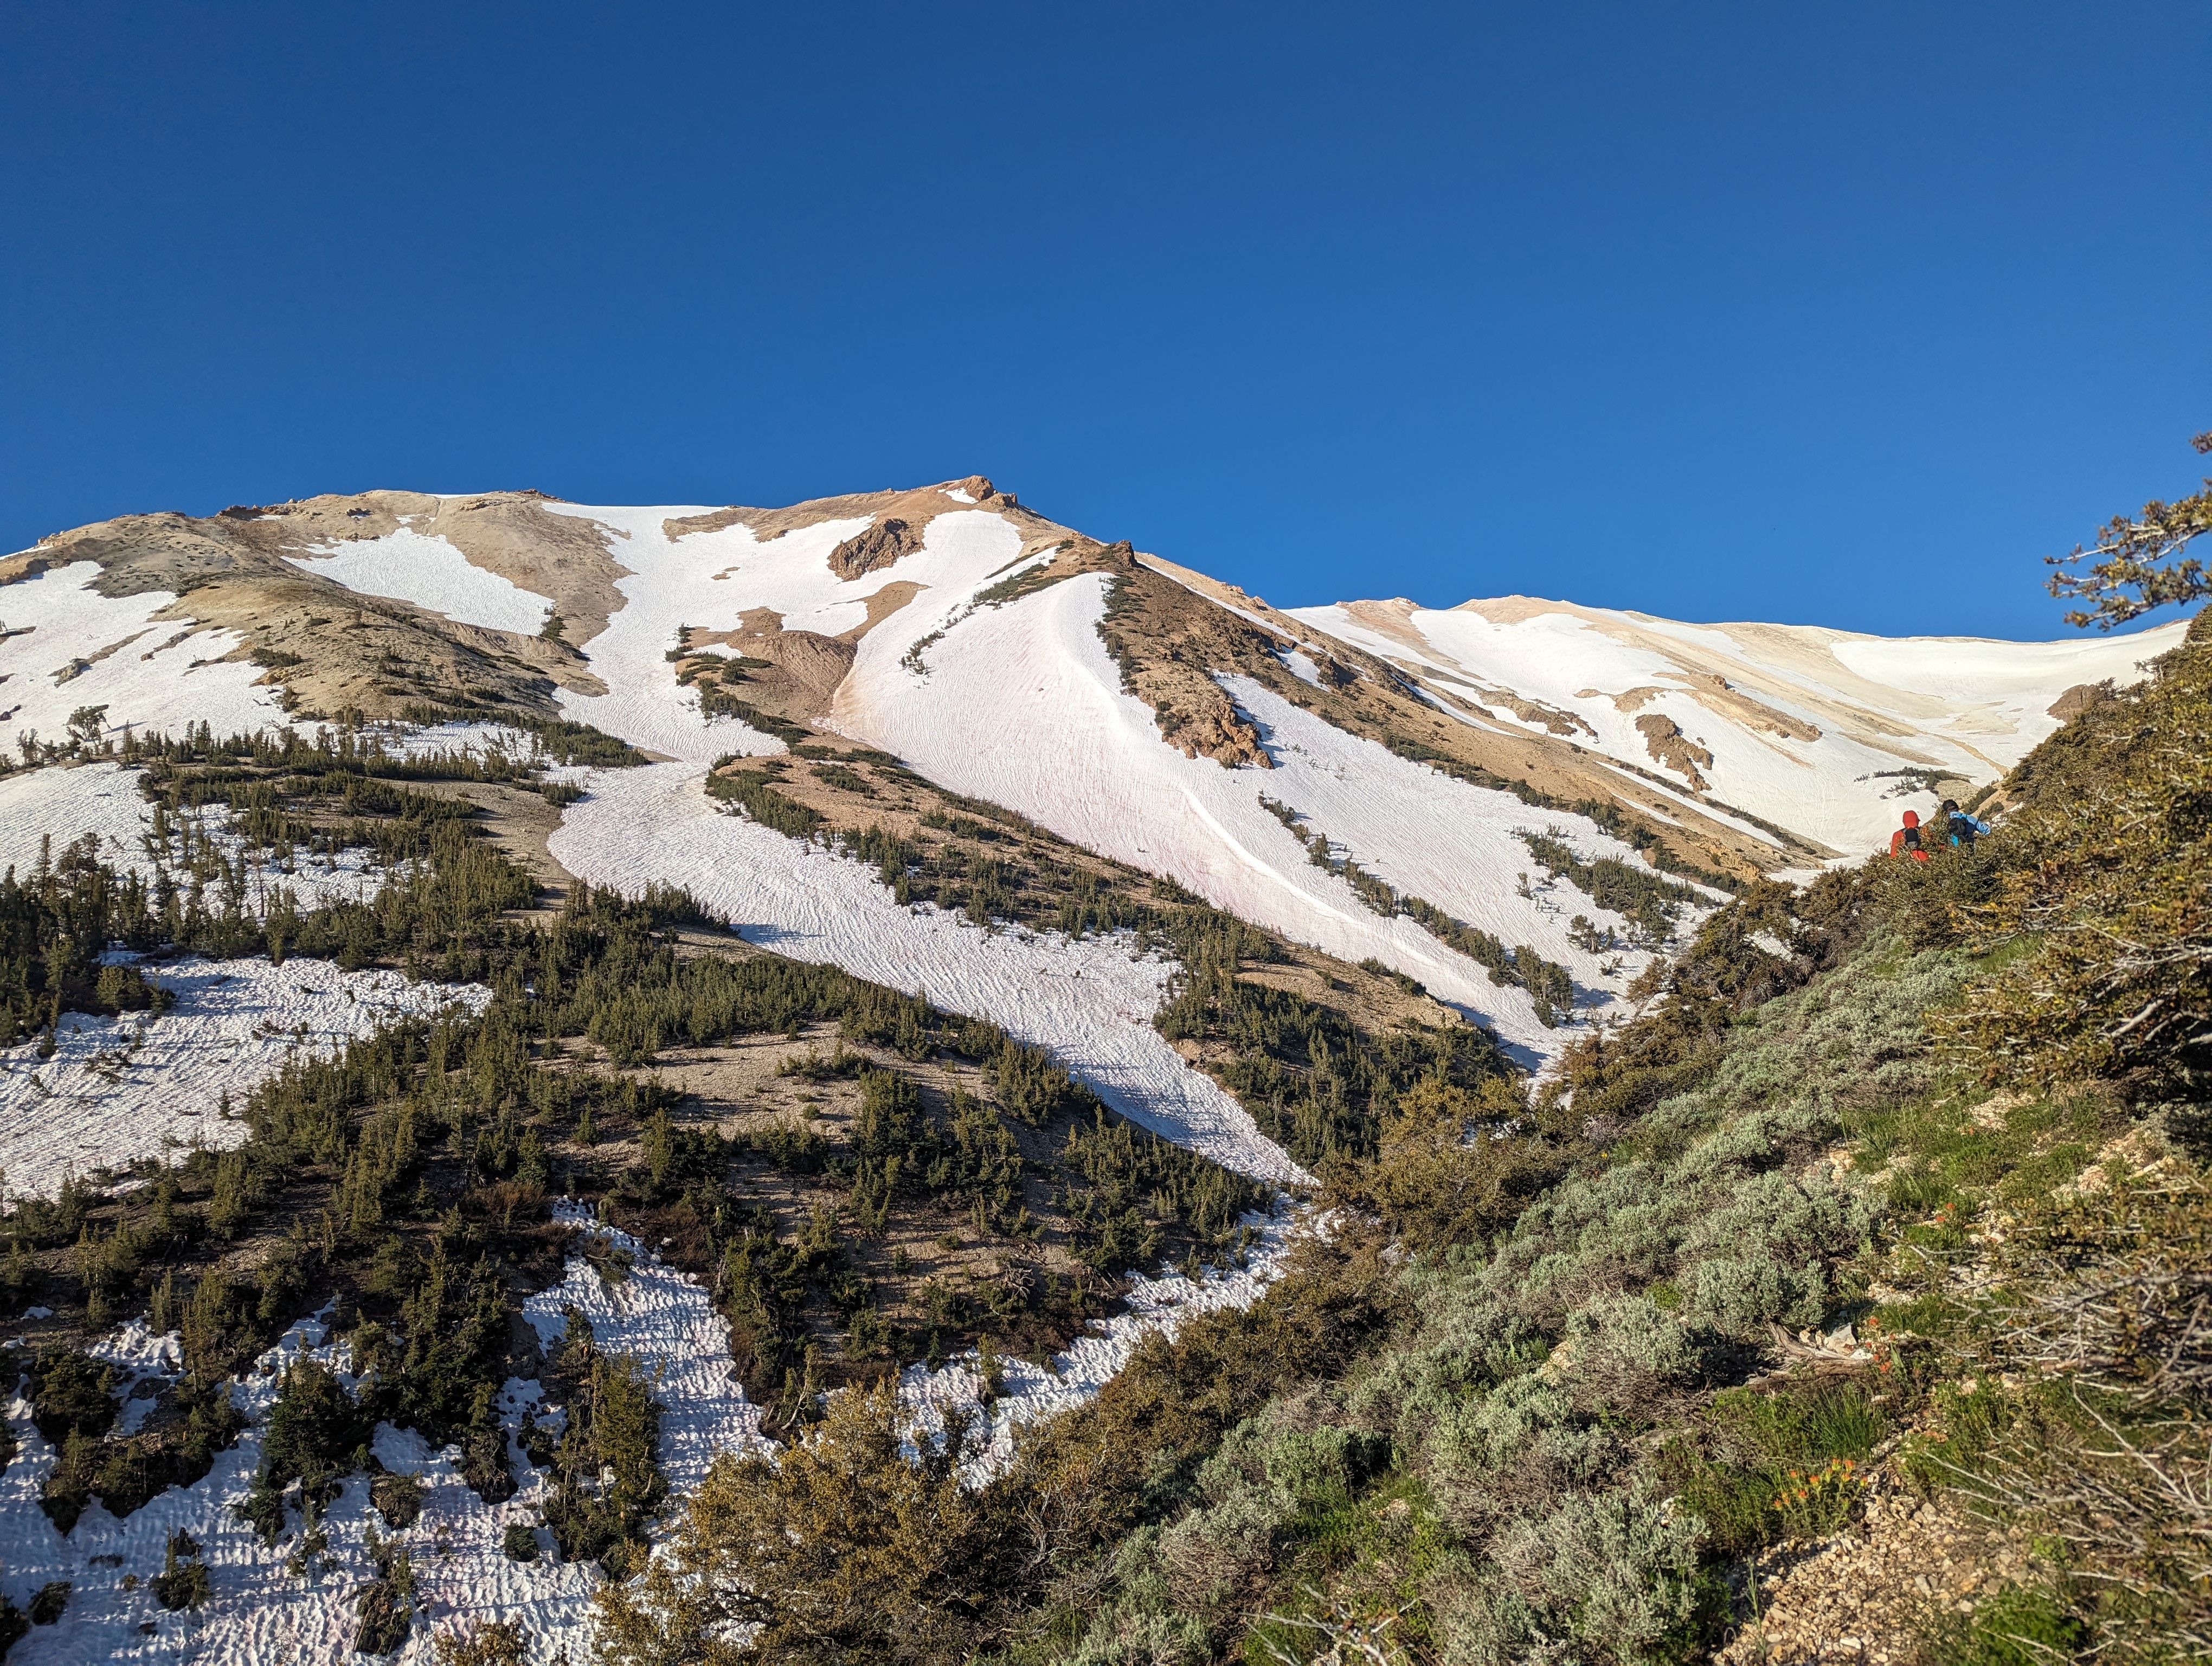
(663, 1317)
(140, 1085)
(1296, 661)
(261, 1615)
(1032, 1394)
(66, 646)
(103, 800)
(429, 571)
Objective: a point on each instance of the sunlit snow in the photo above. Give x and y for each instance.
(1090, 1001)
(1964, 706)
(666, 1319)
(1023, 706)
(1030, 1393)
(67, 647)
(139, 1086)
(262, 1612)
(428, 571)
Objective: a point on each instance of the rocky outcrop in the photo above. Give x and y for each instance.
(917, 506)
(1906, 1570)
(1724, 699)
(1664, 739)
(2080, 698)
(876, 548)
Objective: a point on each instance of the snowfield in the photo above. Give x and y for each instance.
(1808, 727)
(664, 1318)
(71, 801)
(67, 647)
(1090, 1002)
(261, 1614)
(101, 800)
(409, 566)
(139, 1086)
(1021, 705)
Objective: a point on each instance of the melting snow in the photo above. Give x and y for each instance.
(429, 571)
(1090, 1001)
(261, 1614)
(1023, 706)
(139, 1086)
(1970, 706)
(67, 646)
(1296, 661)
(71, 800)
(664, 1318)
(707, 579)
(1031, 1393)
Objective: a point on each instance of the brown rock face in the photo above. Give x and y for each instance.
(1219, 732)
(877, 547)
(1664, 739)
(2080, 698)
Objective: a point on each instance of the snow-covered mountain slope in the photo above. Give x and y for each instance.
(67, 647)
(1132, 706)
(1017, 702)
(1431, 792)
(1819, 731)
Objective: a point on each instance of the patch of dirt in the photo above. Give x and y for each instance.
(519, 821)
(571, 561)
(735, 1088)
(335, 652)
(881, 605)
(1718, 695)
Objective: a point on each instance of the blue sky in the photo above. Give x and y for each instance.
(1840, 315)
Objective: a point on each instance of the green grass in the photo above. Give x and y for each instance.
(2016, 1627)
(1747, 1447)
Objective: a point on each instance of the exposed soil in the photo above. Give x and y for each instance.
(916, 506)
(333, 650)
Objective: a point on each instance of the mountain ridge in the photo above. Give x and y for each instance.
(1717, 753)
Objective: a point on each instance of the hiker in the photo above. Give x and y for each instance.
(1963, 828)
(1906, 839)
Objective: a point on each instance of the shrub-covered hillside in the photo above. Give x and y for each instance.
(1859, 1289)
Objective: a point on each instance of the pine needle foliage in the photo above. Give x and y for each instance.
(2105, 901)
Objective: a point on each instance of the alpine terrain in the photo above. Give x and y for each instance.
(887, 1080)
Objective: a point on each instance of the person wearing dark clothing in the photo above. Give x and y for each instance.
(1962, 828)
